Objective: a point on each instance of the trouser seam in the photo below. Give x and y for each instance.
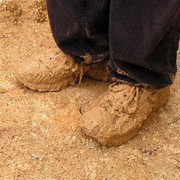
(83, 23)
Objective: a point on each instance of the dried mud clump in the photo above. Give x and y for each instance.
(13, 10)
(39, 14)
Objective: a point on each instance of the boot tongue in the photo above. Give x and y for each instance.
(122, 98)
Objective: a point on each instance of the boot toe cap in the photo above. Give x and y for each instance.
(107, 129)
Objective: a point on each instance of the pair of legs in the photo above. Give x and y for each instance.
(139, 38)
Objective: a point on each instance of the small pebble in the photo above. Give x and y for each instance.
(73, 139)
(34, 124)
(44, 116)
(34, 156)
(34, 134)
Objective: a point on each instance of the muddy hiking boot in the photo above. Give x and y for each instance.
(53, 70)
(117, 115)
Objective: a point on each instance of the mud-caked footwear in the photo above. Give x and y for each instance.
(54, 70)
(51, 70)
(117, 115)
(97, 71)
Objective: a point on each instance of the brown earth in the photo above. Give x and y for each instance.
(39, 133)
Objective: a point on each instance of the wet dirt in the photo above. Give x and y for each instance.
(40, 136)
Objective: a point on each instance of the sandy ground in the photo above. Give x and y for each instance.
(39, 133)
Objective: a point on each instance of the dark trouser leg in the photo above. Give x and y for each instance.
(144, 38)
(80, 28)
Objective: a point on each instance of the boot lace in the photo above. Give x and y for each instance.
(122, 98)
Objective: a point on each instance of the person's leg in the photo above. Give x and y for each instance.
(144, 38)
(143, 42)
(80, 28)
